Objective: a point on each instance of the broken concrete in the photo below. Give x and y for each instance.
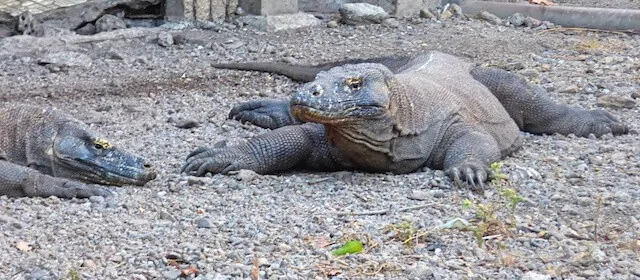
(269, 7)
(281, 22)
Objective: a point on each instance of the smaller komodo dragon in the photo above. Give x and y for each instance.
(396, 115)
(45, 152)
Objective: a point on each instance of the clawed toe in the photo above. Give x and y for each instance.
(469, 175)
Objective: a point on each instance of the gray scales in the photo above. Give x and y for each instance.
(396, 114)
(45, 152)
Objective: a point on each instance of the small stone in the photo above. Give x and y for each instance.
(186, 123)
(171, 274)
(165, 39)
(116, 259)
(616, 102)
(532, 22)
(635, 95)
(233, 45)
(516, 19)
(391, 22)
(89, 264)
(204, 223)
(425, 13)
(457, 10)
(491, 18)
(284, 247)
(419, 195)
(588, 273)
(332, 24)
(246, 175)
(532, 275)
(570, 89)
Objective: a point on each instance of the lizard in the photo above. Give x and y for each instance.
(46, 152)
(396, 114)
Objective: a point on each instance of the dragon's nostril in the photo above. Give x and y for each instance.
(316, 93)
(147, 165)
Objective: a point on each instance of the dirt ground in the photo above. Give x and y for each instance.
(578, 218)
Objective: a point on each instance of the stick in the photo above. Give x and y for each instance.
(384, 211)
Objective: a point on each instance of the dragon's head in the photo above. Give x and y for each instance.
(347, 93)
(78, 154)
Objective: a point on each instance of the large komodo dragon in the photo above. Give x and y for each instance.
(44, 152)
(396, 115)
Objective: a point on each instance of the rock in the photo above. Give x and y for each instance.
(232, 45)
(11, 221)
(516, 19)
(616, 102)
(87, 29)
(165, 39)
(66, 59)
(419, 195)
(570, 89)
(362, 13)
(171, 274)
(204, 223)
(77, 15)
(489, 17)
(425, 13)
(532, 22)
(332, 24)
(109, 23)
(391, 22)
(186, 123)
(28, 24)
(281, 22)
(532, 275)
(246, 175)
(635, 95)
(89, 264)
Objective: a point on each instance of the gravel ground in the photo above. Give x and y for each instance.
(578, 219)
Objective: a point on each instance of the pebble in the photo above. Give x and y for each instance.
(204, 223)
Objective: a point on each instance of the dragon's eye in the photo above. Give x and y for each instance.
(101, 144)
(354, 83)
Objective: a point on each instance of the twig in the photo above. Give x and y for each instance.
(619, 32)
(384, 211)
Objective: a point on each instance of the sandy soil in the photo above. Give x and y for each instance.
(578, 220)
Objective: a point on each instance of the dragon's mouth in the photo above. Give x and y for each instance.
(311, 114)
(104, 173)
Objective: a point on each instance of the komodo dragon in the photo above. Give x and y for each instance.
(397, 115)
(45, 152)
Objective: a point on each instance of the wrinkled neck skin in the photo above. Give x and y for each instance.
(369, 142)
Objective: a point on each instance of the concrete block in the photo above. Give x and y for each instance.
(399, 8)
(281, 22)
(269, 7)
(198, 9)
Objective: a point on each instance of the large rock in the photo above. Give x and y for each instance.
(109, 23)
(76, 16)
(362, 13)
(281, 22)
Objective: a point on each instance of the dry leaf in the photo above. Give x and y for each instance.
(190, 270)
(542, 2)
(255, 271)
(334, 272)
(23, 246)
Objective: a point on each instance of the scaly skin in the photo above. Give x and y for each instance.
(44, 152)
(399, 115)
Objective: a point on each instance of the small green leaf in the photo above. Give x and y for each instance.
(351, 247)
